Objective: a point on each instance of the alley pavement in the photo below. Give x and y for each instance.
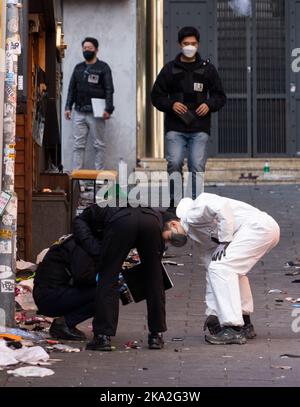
(186, 359)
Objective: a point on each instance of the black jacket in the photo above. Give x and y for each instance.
(89, 226)
(189, 84)
(90, 81)
(66, 264)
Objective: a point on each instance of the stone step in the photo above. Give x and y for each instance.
(230, 170)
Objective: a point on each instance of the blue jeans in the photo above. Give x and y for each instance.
(178, 143)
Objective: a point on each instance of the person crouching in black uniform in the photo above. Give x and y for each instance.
(123, 229)
(65, 287)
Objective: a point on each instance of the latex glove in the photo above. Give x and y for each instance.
(220, 251)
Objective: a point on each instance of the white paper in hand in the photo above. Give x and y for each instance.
(98, 107)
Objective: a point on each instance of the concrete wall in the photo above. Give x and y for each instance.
(113, 22)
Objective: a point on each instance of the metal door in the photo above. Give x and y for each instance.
(251, 55)
(252, 63)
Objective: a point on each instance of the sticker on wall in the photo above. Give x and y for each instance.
(5, 234)
(7, 219)
(10, 78)
(8, 109)
(10, 167)
(5, 247)
(5, 272)
(20, 82)
(8, 127)
(5, 197)
(7, 286)
(12, 25)
(14, 46)
(10, 94)
(9, 66)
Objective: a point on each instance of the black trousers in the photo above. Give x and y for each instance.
(74, 303)
(135, 229)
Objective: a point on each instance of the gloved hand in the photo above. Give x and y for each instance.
(220, 251)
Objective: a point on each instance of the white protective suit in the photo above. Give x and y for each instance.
(252, 234)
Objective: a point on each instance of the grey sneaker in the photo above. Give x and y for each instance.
(227, 336)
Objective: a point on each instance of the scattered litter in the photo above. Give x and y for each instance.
(172, 263)
(31, 371)
(132, 345)
(52, 342)
(7, 360)
(289, 355)
(24, 295)
(7, 355)
(32, 355)
(65, 348)
(10, 337)
(281, 367)
(25, 334)
(291, 264)
(293, 273)
(293, 300)
(177, 339)
(275, 291)
(14, 344)
(25, 265)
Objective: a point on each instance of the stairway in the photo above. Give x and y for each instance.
(230, 170)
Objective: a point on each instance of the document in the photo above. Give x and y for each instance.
(98, 107)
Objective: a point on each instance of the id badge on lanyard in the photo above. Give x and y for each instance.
(92, 78)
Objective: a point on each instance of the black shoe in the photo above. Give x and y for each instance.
(155, 341)
(60, 330)
(249, 331)
(227, 336)
(212, 323)
(101, 343)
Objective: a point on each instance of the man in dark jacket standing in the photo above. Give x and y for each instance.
(107, 235)
(188, 90)
(91, 79)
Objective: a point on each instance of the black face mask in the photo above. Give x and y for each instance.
(88, 55)
(178, 240)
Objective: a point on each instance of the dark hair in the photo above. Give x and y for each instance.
(94, 41)
(188, 32)
(168, 216)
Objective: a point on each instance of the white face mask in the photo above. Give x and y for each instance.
(189, 51)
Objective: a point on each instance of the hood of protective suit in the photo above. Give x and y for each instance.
(183, 208)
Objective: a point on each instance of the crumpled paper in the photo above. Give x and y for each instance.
(31, 371)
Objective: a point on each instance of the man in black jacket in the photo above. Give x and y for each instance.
(65, 287)
(108, 234)
(188, 90)
(90, 79)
